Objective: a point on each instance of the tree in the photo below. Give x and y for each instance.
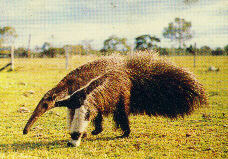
(190, 50)
(144, 42)
(87, 46)
(114, 43)
(179, 30)
(7, 35)
(205, 50)
(75, 49)
(53, 52)
(46, 46)
(21, 52)
(217, 51)
(226, 49)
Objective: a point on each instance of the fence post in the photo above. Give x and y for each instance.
(67, 56)
(29, 51)
(12, 57)
(195, 55)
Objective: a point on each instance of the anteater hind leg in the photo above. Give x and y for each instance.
(98, 124)
(122, 121)
(121, 118)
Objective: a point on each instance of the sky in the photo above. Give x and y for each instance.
(62, 22)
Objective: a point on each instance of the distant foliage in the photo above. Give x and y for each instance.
(190, 50)
(226, 49)
(76, 49)
(53, 52)
(145, 42)
(205, 50)
(179, 30)
(7, 35)
(21, 52)
(115, 44)
(217, 51)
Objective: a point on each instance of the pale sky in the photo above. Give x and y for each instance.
(63, 22)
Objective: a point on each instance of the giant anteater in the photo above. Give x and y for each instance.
(136, 84)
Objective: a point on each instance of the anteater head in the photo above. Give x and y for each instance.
(45, 104)
(50, 101)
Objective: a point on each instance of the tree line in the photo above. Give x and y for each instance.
(179, 31)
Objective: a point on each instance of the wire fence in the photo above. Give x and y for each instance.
(209, 70)
(60, 52)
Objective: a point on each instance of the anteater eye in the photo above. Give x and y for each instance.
(45, 105)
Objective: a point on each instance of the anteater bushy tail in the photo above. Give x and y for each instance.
(161, 88)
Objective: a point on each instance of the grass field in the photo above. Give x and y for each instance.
(200, 135)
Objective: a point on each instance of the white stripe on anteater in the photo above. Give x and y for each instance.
(79, 125)
(86, 89)
(70, 116)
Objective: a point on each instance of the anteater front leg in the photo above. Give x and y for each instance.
(70, 117)
(79, 125)
(98, 124)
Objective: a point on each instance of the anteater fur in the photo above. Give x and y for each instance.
(71, 83)
(107, 94)
(161, 88)
(145, 84)
(79, 77)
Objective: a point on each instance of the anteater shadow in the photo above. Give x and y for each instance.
(34, 145)
(103, 138)
(46, 144)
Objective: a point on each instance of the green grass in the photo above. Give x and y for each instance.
(200, 135)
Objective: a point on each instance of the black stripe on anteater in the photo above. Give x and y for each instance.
(77, 99)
